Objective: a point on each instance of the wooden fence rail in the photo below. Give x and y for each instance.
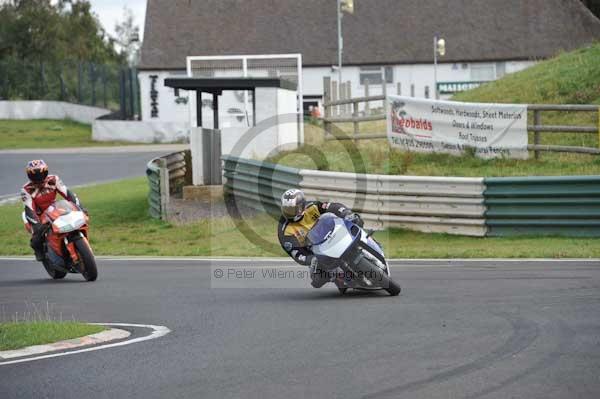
(330, 116)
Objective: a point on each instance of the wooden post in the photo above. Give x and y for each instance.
(367, 105)
(335, 110)
(342, 96)
(412, 90)
(341, 109)
(384, 90)
(348, 96)
(399, 89)
(537, 121)
(355, 115)
(326, 108)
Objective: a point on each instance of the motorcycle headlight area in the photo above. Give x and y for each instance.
(69, 222)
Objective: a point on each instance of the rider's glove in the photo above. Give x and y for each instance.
(40, 228)
(354, 218)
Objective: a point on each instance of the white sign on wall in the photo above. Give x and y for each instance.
(492, 130)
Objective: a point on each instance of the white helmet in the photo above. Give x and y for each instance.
(292, 204)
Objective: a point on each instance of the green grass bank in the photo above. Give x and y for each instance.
(120, 225)
(569, 78)
(16, 335)
(47, 133)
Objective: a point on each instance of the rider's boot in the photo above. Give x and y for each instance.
(318, 281)
(39, 254)
(319, 277)
(38, 249)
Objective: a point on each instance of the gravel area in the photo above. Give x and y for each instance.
(182, 212)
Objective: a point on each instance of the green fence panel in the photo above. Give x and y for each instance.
(566, 206)
(258, 184)
(153, 175)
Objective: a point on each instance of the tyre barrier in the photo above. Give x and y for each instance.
(166, 176)
(429, 204)
(566, 206)
(474, 206)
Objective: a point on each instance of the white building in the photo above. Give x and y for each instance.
(387, 41)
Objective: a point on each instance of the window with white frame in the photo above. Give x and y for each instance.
(481, 72)
(388, 72)
(372, 74)
(500, 69)
(376, 74)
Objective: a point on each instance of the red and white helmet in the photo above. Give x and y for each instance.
(37, 170)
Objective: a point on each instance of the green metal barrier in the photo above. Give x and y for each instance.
(256, 184)
(166, 175)
(154, 201)
(566, 206)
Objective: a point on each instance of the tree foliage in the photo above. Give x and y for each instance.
(51, 31)
(128, 37)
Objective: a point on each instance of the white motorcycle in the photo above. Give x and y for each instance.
(354, 258)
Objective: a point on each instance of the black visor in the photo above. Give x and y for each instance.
(37, 176)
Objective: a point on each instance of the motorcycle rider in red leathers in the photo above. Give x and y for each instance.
(37, 195)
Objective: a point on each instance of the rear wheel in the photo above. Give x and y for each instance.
(87, 265)
(379, 276)
(55, 274)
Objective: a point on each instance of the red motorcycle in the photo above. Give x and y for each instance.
(66, 247)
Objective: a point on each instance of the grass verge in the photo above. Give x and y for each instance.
(16, 335)
(120, 225)
(376, 156)
(570, 78)
(46, 133)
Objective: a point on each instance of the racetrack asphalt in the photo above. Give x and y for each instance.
(473, 330)
(74, 168)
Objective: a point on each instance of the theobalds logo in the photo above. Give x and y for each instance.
(401, 121)
(419, 124)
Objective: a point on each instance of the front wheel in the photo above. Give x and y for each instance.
(87, 265)
(52, 272)
(383, 279)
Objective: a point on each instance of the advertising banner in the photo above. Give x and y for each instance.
(491, 130)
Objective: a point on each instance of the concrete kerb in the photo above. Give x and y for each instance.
(93, 339)
(82, 345)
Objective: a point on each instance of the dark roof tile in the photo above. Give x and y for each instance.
(380, 31)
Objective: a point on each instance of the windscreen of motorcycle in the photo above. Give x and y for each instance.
(330, 236)
(58, 209)
(69, 222)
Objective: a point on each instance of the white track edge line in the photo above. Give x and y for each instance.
(158, 331)
(283, 259)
